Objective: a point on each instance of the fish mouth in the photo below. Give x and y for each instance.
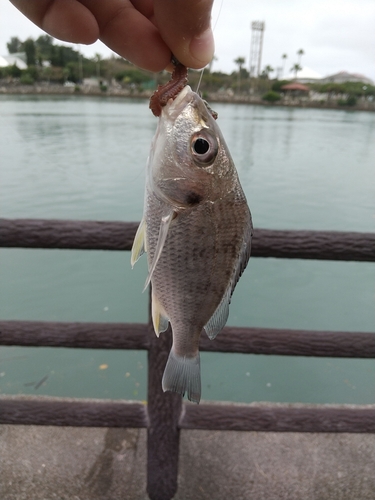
(175, 107)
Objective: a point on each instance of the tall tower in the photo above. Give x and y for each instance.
(256, 47)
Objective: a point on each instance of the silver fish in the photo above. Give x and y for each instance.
(196, 230)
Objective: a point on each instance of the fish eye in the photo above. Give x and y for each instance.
(204, 148)
(201, 146)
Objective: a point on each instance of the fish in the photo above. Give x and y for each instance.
(196, 229)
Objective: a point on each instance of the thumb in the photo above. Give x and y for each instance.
(185, 26)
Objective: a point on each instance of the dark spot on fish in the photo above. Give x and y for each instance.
(193, 198)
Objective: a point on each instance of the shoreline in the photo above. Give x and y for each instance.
(60, 90)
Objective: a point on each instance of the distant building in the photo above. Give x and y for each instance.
(295, 87)
(18, 59)
(344, 76)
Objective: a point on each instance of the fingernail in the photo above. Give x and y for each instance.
(202, 47)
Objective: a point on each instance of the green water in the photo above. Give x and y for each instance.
(84, 158)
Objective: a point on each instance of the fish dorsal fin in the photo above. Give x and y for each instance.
(139, 244)
(163, 232)
(159, 316)
(217, 321)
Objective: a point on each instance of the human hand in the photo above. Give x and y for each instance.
(144, 32)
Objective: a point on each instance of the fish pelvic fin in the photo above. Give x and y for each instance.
(159, 316)
(182, 374)
(139, 244)
(163, 232)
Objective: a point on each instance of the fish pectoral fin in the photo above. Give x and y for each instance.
(139, 243)
(163, 232)
(182, 374)
(159, 316)
(217, 321)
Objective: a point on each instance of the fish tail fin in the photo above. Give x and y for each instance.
(182, 374)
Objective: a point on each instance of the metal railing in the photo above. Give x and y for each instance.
(165, 414)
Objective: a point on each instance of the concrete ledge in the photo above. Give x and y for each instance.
(276, 466)
(71, 463)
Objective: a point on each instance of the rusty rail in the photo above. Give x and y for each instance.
(94, 235)
(232, 339)
(165, 415)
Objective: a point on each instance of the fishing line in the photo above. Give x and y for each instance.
(213, 29)
(200, 80)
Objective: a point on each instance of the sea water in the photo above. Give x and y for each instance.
(84, 158)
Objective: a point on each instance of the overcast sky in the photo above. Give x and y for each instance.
(335, 35)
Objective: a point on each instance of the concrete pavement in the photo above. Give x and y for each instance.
(75, 463)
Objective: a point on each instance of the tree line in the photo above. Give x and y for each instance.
(49, 61)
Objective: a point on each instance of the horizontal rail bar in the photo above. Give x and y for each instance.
(67, 234)
(320, 245)
(84, 335)
(292, 342)
(21, 410)
(278, 418)
(106, 235)
(231, 339)
(43, 411)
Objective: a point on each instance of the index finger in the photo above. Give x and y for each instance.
(185, 26)
(118, 23)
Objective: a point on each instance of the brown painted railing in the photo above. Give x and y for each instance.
(165, 414)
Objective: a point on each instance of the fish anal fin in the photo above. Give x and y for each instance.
(163, 232)
(139, 244)
(159, 317)
(182, 374)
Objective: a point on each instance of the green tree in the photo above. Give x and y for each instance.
(62, 55)
(300, 53)
(14, 45)
(266, 72)
(44, 50)
(271, 96)
(240, 61)
(284, 57)
(295, 68)
(28, 46)
(97, 59)
(14, 71)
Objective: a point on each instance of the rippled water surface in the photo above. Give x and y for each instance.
(84, 158)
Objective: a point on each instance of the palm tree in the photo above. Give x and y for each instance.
(97, 59)
(267, 70)
(300, 54)
(296, 67)
(284, 58)
(240, 61)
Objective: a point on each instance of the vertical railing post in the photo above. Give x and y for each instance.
(164, 409)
